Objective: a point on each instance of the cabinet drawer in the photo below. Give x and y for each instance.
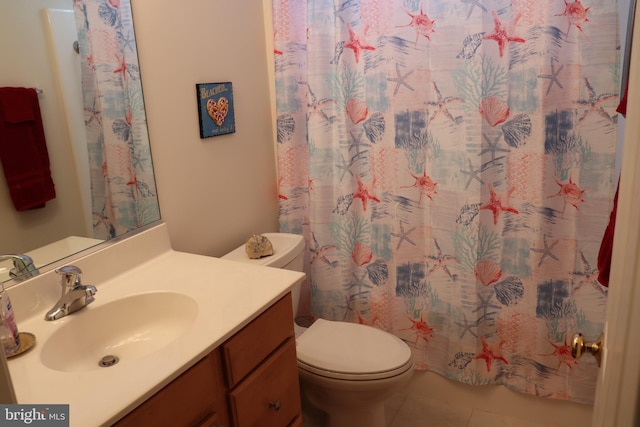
(246, 349)
(269, 397)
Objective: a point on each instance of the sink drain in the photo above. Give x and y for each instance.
(108, 360)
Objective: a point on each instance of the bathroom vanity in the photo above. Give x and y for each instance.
(251, 379)
(201, 341)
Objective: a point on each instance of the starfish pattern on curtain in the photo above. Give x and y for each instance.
(451, 166)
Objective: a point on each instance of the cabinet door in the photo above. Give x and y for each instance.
(212, 421)
(270, 396)
(249, 347)
(195, 398)
(297, 422)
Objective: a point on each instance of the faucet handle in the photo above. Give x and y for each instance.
(69, 269)
(71, 275)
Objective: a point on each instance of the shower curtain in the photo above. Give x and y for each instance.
(123, 189)
(451, 166)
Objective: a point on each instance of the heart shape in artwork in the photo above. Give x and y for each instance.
(218, 110)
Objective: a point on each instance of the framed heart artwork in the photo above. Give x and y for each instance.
(215, 109)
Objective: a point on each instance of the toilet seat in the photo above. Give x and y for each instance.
(350, 351)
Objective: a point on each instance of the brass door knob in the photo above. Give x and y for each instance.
(579, 346)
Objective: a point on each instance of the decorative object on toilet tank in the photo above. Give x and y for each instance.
(215, 109)
(258, 246)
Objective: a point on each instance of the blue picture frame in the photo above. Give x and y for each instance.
(216, 112)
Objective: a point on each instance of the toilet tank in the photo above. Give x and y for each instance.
(288, 254)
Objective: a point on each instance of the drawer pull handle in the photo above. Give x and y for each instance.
(275, 405)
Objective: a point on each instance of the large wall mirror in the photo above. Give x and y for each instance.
(37, 50)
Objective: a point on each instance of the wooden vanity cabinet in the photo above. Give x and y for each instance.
(262, 370)
(251, 380)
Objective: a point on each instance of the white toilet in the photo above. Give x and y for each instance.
(347, 370)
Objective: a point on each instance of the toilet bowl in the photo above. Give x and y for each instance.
(347, 370)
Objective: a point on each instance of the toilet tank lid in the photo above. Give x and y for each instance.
(286, 246)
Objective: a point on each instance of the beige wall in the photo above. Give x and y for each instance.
(26, 62)
(214, 192)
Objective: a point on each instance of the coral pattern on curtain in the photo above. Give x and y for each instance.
(123, 189)
(451, 166)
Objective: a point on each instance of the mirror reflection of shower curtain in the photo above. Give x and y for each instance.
(451, 165)
(123, 191)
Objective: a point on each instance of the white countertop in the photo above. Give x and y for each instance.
(229, 295)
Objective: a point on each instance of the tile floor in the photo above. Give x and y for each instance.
(410, 409)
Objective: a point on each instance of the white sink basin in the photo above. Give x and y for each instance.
(127, 328)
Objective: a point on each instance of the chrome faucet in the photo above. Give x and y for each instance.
(74, 296)
(23, 267)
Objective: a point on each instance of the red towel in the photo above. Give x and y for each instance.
(23, 149)
(622, 107)
(606, 247)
